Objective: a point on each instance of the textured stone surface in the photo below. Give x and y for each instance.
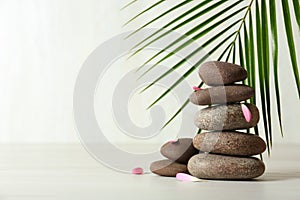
(221, 73)
(222, 94)
(180, 151)
(225, 117)
(167, 168)
(230, 143)
(210, 166)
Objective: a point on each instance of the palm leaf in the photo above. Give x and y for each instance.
(246, 52)
(290, 39)
(261, 71)
(128, 4)
(180, 109)
(160, 16)
(233, 54)
(180, 63)
(266, 61)
(273, 20)
(297, 11)
(188, 42)
(230, 50)
(241, 52)
(168, 25)
(252, 65)
(144, 11)
(192, 31)
(252, 57)
(250, 43)
(186, 74)
(177, 112)
(187, 33)
(225, 51)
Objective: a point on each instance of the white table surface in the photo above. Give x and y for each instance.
(68, 172)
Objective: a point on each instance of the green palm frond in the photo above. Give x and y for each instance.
(194, 17)
(188, 12)
(160, 16)
(296, 4)
(274, 33)
(180, 109)
(144, 11)
(251, 41)
(290, 39)
(196, 37)
(261, 70)
(179, 64)
(128, 4)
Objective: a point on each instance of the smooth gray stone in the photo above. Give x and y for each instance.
(225, 117)
(221, 73)
(211, 166)
(167, 168)
(222, 94)
(230, 143)
(180, 151)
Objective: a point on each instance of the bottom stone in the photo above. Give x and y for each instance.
(167, 168)
(211, 166)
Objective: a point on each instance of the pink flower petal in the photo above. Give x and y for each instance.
(173, 141)
(186, 177)
(196, 88)
(137, 171)
(247, 113)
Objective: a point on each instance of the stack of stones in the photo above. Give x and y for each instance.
(228, 152)
(223, 152)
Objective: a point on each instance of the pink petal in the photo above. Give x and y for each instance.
(247, 113)
(173, 141)
(186, 177)
(196, 88)
(137, 171)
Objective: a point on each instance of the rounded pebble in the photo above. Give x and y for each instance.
(221, 73)
(225, 117)
(210, 166)
(230, 143)
(167, 168)
(180, 151)
(222, 94)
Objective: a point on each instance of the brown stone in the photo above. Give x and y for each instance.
(222, 94)
(230, 143)
(221, 73)
(225, 117)
(180, 151)
(167, 168)
(211, 166)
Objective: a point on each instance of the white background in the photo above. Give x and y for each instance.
(43, 44)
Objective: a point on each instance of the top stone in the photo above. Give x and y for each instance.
(221, 73)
